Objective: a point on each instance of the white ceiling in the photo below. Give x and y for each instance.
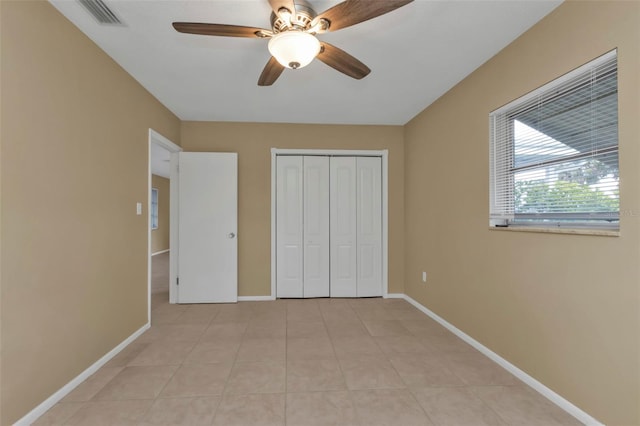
(416, 53)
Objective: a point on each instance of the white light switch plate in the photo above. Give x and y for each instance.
(138, 209)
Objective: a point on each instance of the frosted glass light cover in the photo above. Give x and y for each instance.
(294, 49)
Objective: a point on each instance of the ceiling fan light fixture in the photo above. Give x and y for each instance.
(294, 49)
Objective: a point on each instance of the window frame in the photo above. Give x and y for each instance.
(503, 170)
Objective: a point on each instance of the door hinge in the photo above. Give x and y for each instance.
(177, 280)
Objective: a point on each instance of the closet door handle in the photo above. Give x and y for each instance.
(232, 235)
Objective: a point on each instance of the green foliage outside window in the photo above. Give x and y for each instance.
(572, 197)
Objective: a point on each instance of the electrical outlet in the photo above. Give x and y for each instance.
(424, 277)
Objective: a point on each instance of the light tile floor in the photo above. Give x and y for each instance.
(299, 362)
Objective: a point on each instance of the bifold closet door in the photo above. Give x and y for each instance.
(328, 226)
(343, 226)
(369, 226)
(302, 226)
(289, 226)
(316, 226)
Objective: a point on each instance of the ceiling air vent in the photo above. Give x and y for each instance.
(101, 12)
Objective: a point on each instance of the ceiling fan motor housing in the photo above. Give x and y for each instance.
(301, 20)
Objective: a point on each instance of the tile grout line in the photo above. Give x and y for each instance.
(286, 359)
(185, 357)
(344, 379)
(484, 403)
(349, 391)
(233, 364)
(412, 391)
(215, 412)
(407, 387)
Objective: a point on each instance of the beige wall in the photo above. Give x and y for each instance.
(160, 236)
(253, 143)
(74, 142)
(72, 288)
(563, 308)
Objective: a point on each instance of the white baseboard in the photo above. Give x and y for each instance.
(266, 298)
(393, 296)
(255, 298)
(527, 379)
(552, 396)
(160, 252)
(34, 414)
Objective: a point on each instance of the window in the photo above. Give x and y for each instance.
(154, 208)
(554, 153)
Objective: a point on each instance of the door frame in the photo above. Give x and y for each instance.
(157, 139)
(384, 155)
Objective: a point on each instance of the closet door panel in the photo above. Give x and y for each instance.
(289, 226)
(343, 226)
(316, 226)
(369, 226)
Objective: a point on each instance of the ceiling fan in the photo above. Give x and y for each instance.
(294, 26)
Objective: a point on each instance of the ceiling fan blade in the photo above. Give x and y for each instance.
(340, 60)
(276, 5)
(220, 30)
(351, 12)
(270, 73)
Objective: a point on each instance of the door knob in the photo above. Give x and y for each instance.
(232, 235)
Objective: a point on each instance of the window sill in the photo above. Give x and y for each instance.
(574, 231)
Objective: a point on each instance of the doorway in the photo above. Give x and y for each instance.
(160, 150)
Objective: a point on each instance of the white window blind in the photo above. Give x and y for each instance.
(554, 152)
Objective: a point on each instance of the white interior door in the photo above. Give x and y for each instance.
(343, 226)
(316, 226)
(289, 226)
(369, 225)
(207, 221)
